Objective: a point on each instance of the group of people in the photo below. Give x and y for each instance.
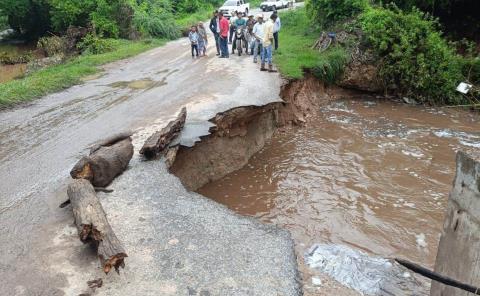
(262, 36)
(198, 40)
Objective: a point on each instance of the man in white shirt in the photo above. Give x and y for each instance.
(258, 34)
(276, 28)
(233, 19)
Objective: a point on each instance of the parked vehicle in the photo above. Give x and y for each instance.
(230, 6)
(272, 5)
(241, 41)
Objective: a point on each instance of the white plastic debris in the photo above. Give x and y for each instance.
(420, 239)
(368, 275)
(316, 281)
(464, 88)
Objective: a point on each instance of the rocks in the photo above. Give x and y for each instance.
(362, 72)
(45, 62)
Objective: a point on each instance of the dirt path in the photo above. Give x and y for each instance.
(41, 254)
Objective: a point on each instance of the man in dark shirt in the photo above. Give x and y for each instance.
(215, 28)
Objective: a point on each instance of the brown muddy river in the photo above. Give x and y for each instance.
(373, 175)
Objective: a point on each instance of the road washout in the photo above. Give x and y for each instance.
(213, 252)
(367, 172)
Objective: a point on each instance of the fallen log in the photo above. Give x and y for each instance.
(93, 226)
(110, 141)
(105, 162)
(159, 141)
(97, 189)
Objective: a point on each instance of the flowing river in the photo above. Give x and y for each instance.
(371, 174)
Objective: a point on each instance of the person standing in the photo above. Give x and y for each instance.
(268, 44)
(233, 19)
(193, 36)
(258, 35)
(202, 39)
(277, 25)
(250, 37)
(224, 26)
(215, 28)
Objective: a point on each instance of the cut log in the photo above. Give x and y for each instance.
(110, 141)
(93, 226)
(104, 163)
(159, 141)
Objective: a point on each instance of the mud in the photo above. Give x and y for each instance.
(238, 134)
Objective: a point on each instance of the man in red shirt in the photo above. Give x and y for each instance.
(224, 28)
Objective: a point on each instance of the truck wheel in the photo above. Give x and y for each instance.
(246, 10)
(274, 8)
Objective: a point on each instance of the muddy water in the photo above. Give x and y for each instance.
(9, 72)
(374, 175)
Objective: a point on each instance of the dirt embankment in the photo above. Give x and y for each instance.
(241, 132)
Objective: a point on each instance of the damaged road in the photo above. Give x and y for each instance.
(178, 242)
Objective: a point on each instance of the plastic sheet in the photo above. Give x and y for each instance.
(363, 273)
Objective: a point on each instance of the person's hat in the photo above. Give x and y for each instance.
(260, 15)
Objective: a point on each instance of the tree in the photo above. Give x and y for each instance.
(30, 18)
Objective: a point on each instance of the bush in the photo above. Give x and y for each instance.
(416, 60)
(155, 20)
(328, 12)
(331, 65)
(9, 58)
(92, 44)
(52, 45)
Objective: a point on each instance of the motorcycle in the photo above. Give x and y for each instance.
(241, 40)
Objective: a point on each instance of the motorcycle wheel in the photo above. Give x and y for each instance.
(239, 47)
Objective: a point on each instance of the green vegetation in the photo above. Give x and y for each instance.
(459, 18)
(205, 13)
(296, 53)
(416, 60)
(108, 18)
(328, 12)
(110, 23)
(3, 21)
(58, 77)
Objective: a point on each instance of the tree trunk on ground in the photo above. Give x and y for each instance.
(107, 160)
(159, 141)
(110, 141)
(93, 226)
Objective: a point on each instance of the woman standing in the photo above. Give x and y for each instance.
(202, 39)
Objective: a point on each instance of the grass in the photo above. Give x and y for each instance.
(295, 54)
(58, 77)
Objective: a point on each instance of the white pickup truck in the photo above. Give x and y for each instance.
(230, 6)
(272, 5)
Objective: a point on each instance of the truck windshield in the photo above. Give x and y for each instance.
(230, 3)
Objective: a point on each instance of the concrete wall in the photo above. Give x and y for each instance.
(459, 250)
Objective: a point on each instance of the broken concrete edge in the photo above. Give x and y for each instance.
(238, 133)
(460, 238)
(159, 141)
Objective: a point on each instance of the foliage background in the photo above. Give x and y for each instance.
(109, 18)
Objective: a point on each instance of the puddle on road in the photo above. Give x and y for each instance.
(145, 84)
(374, 175)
